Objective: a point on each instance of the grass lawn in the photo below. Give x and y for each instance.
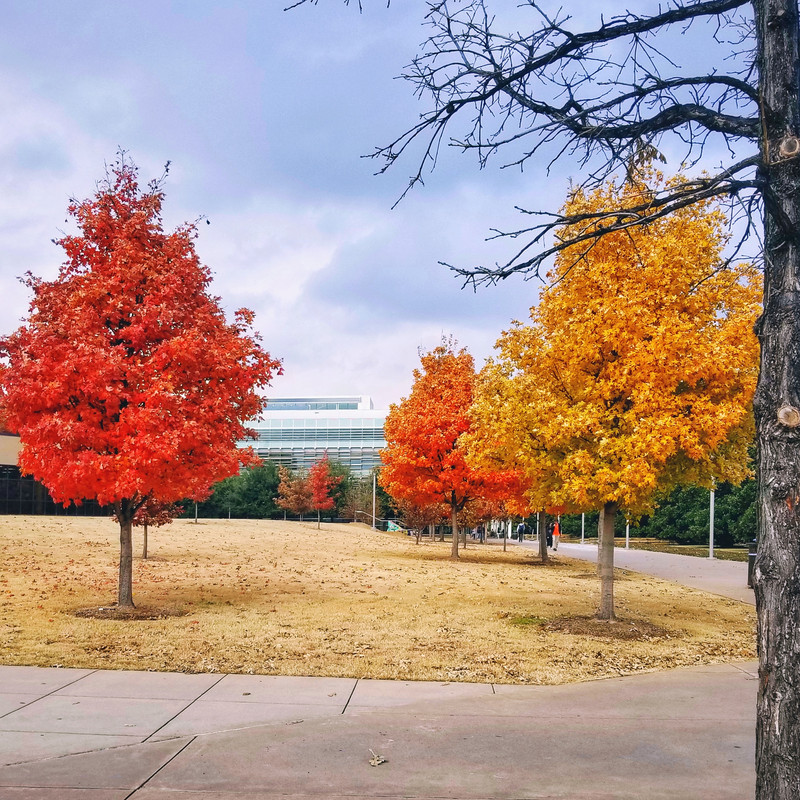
(271, 597)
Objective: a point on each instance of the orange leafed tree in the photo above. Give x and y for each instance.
(126, 383)
(424, 461)
(419, 517)
(294, 493)
(636, 373)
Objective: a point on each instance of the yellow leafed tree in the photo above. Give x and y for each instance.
(636, 372)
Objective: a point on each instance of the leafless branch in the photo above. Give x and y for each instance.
(578, 95)
(591, 226)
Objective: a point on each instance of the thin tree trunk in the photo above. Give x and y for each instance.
(454, 524)
(125, 588)
(318, 520)
(419, 533)
(144, 545)
(541, 532)
(464, 537)
(605, 560)
(777, 409)
(505, 535)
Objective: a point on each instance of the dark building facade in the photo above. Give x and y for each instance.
(23, 495)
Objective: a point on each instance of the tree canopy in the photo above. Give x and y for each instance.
(127, 383)
(637, 371)
(425, 461)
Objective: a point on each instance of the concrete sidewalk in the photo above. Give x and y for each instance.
(725, 578)
(69, 734)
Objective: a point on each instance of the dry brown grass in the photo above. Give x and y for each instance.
(284, 598)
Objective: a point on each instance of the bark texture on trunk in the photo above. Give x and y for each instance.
(605, 560)
(541, 532)
(144, 543)
(125, 588)
(777, 409)
(454, 524)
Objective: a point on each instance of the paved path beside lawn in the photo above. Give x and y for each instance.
(725, 578)
(70, 734)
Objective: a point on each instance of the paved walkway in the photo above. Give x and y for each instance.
(67, 734)
(726, 578)
(70, 734)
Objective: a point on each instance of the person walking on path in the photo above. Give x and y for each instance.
(556, 536)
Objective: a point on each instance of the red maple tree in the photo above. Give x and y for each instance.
(321, 483)
(154, 514)
(425, 461)
(126, 383)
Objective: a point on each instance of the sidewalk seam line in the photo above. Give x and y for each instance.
(188, 705)
(41, 697)
(350, 697)
(149, 778)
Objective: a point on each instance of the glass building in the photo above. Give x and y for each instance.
(21, 494)
(297, 432)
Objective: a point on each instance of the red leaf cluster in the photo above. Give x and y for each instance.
(322, 483)
(425, 461)
(127, 382)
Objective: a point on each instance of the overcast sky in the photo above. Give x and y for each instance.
(264, 116)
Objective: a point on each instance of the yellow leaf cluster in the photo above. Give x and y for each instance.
(637, 370)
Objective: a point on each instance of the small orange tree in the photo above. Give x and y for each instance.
(294, 493)
(419, 517)
(424, 461)
(126, 383)
(636, 373)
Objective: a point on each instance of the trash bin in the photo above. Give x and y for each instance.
(751, 563)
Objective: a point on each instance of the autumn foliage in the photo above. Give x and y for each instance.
(425, 462)
(294, 493)
(321, 483)
(126, 383)
(637, 370)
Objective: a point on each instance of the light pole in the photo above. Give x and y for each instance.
(374, 491)
(711, 526)
(583, 527)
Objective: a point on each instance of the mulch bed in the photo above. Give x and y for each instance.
(137, 613)
(620, 629)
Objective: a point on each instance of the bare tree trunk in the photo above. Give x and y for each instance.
(318, 520)
(505, 535)
(454, 524)
(464, 537)
(418, 532)
(777, 409)
(144, 545)
(605, 560)
(541, 532)
(125, 588)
